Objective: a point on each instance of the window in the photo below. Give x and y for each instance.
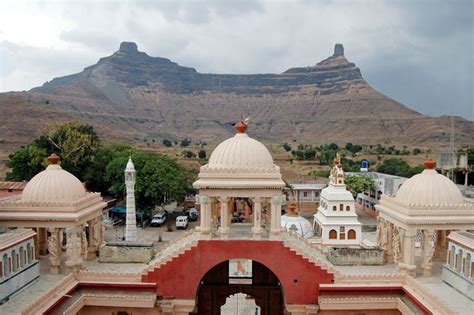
(15, 260)
(348, 208)
(342, 229)
(459, 261)
(332, 235)
(29, 248)
(351, 234)
(5, 265)
(334, 208)
(305, 194)
(22, 257)
(467, 265)
(341, 207)
(452, 254)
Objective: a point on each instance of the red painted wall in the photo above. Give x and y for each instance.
(180, 277)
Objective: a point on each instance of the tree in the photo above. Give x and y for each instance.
(158, 176)
(416, 151)
(309, 154)
(333, 146)
(287, 147)
(202, 154)
(398, 167)
(359, 183)
(188, 154)
(167, 143)
(74, 142)
(185, 142)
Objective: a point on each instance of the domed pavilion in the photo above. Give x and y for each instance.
(56, 205)
(427, 205)
(240, 184)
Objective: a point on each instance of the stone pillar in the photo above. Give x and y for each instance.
(94, 238)
(427, 255)
(54, 251)
(131, 219)
(389, 252)
(84, 243)
(441, 245)
(205, 224)
(43, 241)
(224, 227)
(275, 223)
(73, 249)
(408, 264)
(257, 219)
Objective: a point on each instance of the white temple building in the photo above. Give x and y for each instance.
(336, 220)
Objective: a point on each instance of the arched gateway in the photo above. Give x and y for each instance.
(240, 195)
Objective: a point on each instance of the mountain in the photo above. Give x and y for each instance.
(131, 95)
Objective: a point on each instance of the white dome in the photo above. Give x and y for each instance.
(53, 185)
(430, 189)
(243, 154)
(297, 224)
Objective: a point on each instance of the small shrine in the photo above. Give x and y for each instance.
(336, 220)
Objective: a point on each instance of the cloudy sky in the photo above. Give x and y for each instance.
(419, 52)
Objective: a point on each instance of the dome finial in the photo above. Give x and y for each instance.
(54, 159)
(241, 126)
(430, 164)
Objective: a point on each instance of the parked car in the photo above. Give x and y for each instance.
(182, 222)
(192, 214)
(159, 219)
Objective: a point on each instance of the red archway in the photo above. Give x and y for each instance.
(299, 278)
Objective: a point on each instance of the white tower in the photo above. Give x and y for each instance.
(131, 223)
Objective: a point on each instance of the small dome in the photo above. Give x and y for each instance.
(241, 153)
(53, 185)
(429, 188)
(297, 224)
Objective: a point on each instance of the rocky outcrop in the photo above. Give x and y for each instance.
(132, 95)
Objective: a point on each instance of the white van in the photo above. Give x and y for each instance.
(182, 222)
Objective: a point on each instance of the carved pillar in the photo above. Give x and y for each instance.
(275, 220)
(257, 218)
(93, 239)
(205, 224)
(408, 253)
(389, 252)
(84, 243)
(396, 245)
(428, 252)
(54, 251)
(73, 249)
(224, 226)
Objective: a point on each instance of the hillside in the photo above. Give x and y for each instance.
(130, 95)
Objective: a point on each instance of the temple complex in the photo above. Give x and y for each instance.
(242, 253)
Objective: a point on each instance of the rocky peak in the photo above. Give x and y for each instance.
(128, 48)
(338, 50)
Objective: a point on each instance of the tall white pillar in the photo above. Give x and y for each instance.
(257, 223)
(131, 223)
(224, 226)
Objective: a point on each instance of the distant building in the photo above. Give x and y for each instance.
(8, 189)
(458, 271)
(18, 264)
(307, 196)
(455, 165)
(385, 184)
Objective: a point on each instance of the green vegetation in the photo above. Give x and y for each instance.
(185, 142)
(167, 143)
(188, 154)
(102, 166)
(202, 154)
(287, 147)
(398, 167)
(359, 183)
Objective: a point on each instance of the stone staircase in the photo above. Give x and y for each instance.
(307, 250)
(173, 249)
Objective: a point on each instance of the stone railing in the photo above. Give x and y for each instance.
(41, 304)
(105, 276)
(173, 249)
(369, 278)
(306, 249)
(434, 303)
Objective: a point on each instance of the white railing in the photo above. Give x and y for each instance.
(306, 249)
(174, 248)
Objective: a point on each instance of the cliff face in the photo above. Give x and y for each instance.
(130, 94)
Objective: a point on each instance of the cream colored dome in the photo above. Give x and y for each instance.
(53, 185)
(241, 154)
(429, 188)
